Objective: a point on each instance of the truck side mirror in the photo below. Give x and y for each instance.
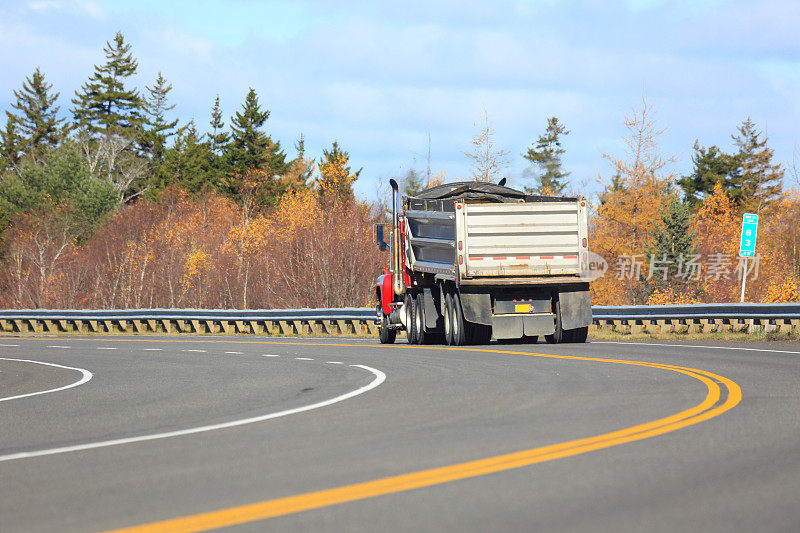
(379, 238)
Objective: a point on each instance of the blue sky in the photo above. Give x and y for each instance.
(380, 76)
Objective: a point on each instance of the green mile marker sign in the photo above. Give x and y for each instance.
(747, 246)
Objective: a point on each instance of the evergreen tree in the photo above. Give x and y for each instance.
(412, 183)
(760, 179)
(189, 162)
(334, 173)
(617, 185)
(10, 145)
(250, 147)
(63, 175)
(711, 166)
(546, 155)
(218, 138)
(301, 168)
(36, 124)
(104, 104)
(671, 245)
(158, 129)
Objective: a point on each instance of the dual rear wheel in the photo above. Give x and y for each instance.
(457, 330)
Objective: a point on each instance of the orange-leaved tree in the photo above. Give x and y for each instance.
(629, 209)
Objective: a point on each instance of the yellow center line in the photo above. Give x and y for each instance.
(434, 476)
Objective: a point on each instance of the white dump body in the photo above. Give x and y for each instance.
(495, 240)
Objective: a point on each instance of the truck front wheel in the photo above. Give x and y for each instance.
(385, 334)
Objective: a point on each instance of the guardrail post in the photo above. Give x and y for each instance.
(343, 327)
(299, 327)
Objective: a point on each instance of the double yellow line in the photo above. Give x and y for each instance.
(713, 405)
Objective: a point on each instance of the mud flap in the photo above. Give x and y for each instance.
(477, 307)
(433, 317)
(576, 308)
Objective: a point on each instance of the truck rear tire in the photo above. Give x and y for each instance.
(448, 319)
(577, 334)
(558, 335)
(419, 320)
(409, 308)
(385, 334)
(457, 321)
(481, 334)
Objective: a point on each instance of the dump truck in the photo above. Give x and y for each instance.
(472, 261)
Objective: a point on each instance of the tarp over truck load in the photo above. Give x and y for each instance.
(442, 197)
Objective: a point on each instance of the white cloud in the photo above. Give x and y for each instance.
(86, 7)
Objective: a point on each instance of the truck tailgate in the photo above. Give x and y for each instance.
(525, 239)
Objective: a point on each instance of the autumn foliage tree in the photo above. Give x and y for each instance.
(630, 210)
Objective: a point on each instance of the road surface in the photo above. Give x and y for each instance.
(197, 433)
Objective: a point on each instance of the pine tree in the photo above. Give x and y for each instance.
(104, 104)
(617, 185)
(157, 129)
(671, 246)
(10, 145)
(711, 166)
(412, 183)
(334, 173)
(218, 138)
(36, 124)
(546, 155)
(250, 147)
(760, 179)
(189, 162)
(300, 170)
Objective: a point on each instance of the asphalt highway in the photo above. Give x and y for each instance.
(198, 433)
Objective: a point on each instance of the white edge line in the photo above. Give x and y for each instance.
(380, 377)
(86, 377)
(696, 346)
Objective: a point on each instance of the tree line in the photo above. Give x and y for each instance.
(121, 144)
(116, 205)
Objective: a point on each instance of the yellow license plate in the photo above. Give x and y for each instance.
(522, 308)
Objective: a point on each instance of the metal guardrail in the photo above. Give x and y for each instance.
(699, 318)
(697, 311)
(361, 321)
(346, 321)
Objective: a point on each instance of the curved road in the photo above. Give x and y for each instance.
(180, 433)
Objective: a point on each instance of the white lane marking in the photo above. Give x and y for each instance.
(86, 376)
(153, 349)
(697, 346)
(63, 347)
(9, 345)
(380, 377)
(303, 358)
(236, 353)
(197, 351)
(104, 348)
(269, 355)
(334, 362)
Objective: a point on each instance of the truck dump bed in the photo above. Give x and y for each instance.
(493, 232)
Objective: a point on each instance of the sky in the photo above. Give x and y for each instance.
(382, 78)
